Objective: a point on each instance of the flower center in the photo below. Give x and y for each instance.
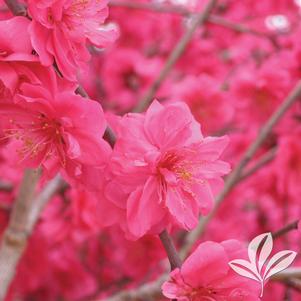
(201, 294)
(77, 13)
(177, 163)
(41, 138)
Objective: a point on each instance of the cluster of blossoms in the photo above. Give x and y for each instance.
(100, 234)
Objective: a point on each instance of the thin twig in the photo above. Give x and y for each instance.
(82, 92)
(176, 53)
(16, 7)
(286, 229)
(109, 135)
(288, 274)
(154, 7)
(15, 236)
(148, 291)
(264, 160)
(171, 251)
(231, 180)
(7, 187)
(152, 290)
(293, 283)
(26, 212)
(180, 10)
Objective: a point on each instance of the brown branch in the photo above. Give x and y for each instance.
(109, 134)
(180, 10)
(171, 251)
(293, 283)
(286, 229)
(289, 273)
(152, 290)
(232, 179)
(176, 53)
(25, 214)
(264, 160)
(148, 291)
(15, 236)
(154, 7)
(7, 187)
(16, 7)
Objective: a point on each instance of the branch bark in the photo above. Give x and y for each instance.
(15, 236)
(232, 179)
(152, 290)
(148, 291)
(16, 7)
(25, 213)
(264, 160)
(171, 251)
(7, 187)
(109, 135)
(286, 229)
(179, 10)
(174, 56)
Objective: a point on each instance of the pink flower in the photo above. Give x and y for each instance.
(125, 76)
(164, 171)
(259, 90)
(206, 276)
(60, 29)
(14, 56)
(207, 101)
(75, 219)
(55, 129)
(10, 30)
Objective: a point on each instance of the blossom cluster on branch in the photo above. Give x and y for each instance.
(74, 75)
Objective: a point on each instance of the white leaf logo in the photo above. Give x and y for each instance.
(259, 268)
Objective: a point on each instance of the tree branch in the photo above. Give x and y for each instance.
(25, 213)
(7, 187)
(171, 251)
(287, 274)
(109, 135)
(148, 291)
(16, 7)
(178, 50)
(294, 283)
(232, 179)
(152, 290)
(286, 229)
(15, 236)
(176, 9)
(265, 159)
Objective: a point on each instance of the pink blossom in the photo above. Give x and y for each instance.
(74, 217)
(60, 29)
(206, 275)
(10, 30)
(206, 100)
(126, 74)
(259, 90)
(164, 171)
(14, 56)
(55, 129)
